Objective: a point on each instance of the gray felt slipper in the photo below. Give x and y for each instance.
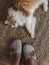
(16, 47)
(29, 52)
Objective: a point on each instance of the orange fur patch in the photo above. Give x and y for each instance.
(24, 5)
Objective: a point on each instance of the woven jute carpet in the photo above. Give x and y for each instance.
(8, 34)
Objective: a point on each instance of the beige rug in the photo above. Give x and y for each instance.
(40, 43)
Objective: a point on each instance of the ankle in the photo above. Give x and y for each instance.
(30, 61)
(15, 58)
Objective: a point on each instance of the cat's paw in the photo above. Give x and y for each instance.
(45, 5)
(46, 9)
(33, 35)
(6, 22)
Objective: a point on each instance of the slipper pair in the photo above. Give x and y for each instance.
(29, 52)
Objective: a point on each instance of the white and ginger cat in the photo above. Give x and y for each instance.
(21, 14)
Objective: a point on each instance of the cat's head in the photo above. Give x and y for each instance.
(10, 22)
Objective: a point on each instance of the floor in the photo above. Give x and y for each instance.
(40, 42)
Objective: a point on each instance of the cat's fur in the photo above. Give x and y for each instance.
(21, 13)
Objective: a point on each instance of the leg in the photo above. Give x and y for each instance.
(30, 25)
(33, 27)
(15, 59)
(15, 52)
(45, 5)
(29, 54)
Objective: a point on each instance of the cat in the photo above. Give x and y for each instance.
(22, 14)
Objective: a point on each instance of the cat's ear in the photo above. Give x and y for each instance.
(6, 22)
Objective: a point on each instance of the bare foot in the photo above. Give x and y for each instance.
(15, 52)
(29, 54)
